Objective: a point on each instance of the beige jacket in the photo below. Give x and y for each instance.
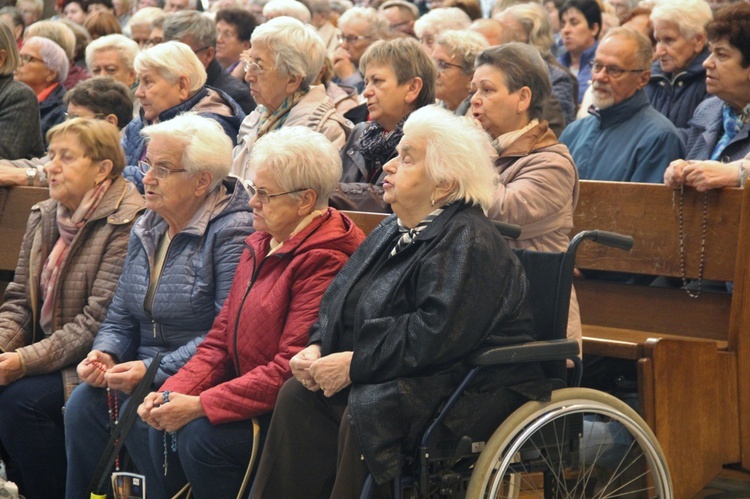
(538, 191)
(315, 110)
(85, 285)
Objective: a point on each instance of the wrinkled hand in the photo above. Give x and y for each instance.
(10, 175)
(673, 175)
(706, 175)
(92, 375)
(125, 376)
(331, 372)
(301, 363)
(171, 416)
(343, 67)
(11, 368)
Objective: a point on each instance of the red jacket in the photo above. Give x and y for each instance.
(241, 365)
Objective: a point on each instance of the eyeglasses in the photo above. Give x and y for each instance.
(442, 65)
(196, 51)
(255, 68)
(352, 38)
(70, 116)
(398, 25)
(612, 71)
(26, 58)
(160, 172)
(154, 41)
(263, 196)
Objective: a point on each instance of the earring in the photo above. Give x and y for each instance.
(432, 200)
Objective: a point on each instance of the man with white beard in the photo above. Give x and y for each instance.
(624, 139)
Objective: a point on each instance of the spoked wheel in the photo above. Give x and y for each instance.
(582, 444)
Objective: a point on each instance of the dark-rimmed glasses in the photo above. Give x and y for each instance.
(263, 196)
(612, 71)
(160, 172)
(443, 65)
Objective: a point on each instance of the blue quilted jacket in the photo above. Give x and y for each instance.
(192, 287)
(677, 96)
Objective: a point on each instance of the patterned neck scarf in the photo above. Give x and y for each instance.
(733, 123)
(68, 225)
(270, 121)
(378, 146)
(408, 235)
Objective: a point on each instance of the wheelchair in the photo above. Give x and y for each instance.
(571, 442)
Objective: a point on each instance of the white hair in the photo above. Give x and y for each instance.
(146, 15)
(123, 45)
(438, 20)
(207, 147)
(52, 55)
(689, 16)
(377, 24)
(464, 45)
(173, 60)
(291, 8)
(299, 158)
(297, 48)
(457, 151)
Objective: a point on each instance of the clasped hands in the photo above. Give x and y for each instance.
(329, 374)
(100, 370)
(702, 175)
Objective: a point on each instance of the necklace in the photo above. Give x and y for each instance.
(697, 293)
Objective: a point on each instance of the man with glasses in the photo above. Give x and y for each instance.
(401, 16)
(360, 28)
(625, 139)
(199, 33)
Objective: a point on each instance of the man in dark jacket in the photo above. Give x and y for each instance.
(199, 32)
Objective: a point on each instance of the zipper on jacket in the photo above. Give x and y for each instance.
(154, 325)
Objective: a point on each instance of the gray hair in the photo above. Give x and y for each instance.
(172, 60)
(377, 24)
(536, 23)
(297, 48)
(52, 55)
(123, 45)
(299, 158)
(319, 6)
(644, 51)
(38, 5)
(290, 8)
(56, 31)
(448, 142)
(690, 16)
(8, 43)
(521, 66)
(207, 147)
(146, 15)
(463, 45)
(442, 19)
(197, 26)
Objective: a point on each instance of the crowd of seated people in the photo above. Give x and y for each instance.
(241, 129)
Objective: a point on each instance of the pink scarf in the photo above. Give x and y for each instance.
(68, 225)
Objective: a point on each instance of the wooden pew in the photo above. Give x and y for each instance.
(15, 206)
(692, 354)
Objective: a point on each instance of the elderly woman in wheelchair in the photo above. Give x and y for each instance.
(429, 287)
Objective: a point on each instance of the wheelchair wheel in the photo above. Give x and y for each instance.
(582, 444)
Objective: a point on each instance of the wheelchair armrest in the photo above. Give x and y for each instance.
(526, 352)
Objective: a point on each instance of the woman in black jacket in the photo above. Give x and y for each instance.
(430, 286)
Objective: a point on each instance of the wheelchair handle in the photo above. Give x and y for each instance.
(603, 237)
(509, 230)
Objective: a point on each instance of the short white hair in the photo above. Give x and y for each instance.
(464, 45)
(377, 24)
(297, 48)
(689, 16)
(207, 146)
(536, 23)
(172, 60)
(57, 31)
(456, 150)
(438, 20)
(52, 55)
(291, 8)
(123, 45)
(146, 15)
(299, 158)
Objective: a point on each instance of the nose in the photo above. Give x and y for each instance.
(150, 178)
(254, 202)
(709, 62)
(475, 100)
(140, 92)
(368, 91)
(250, 77)
(391, 166)
(660, 49)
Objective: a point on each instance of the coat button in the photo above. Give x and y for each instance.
(679, 84)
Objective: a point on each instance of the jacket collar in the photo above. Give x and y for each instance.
(179, 108)
(537, 138)
(622, 112)
(438, 225)
(300, 240)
